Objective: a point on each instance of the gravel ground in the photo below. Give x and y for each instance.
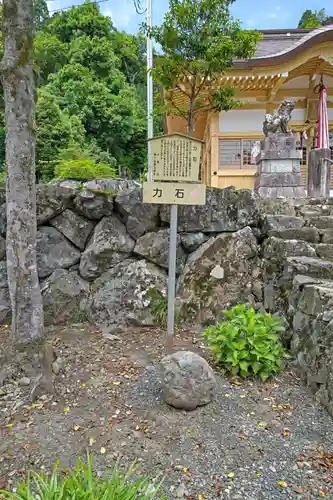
(254, 441)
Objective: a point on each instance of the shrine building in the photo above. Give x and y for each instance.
(288, 65)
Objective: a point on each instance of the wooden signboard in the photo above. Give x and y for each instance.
(175, 157)
(174, 193)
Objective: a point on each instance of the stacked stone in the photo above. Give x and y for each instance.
(279, 167)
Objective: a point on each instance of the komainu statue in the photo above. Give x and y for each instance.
(278, 121)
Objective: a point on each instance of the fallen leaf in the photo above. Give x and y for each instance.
(283, 484)
(38, 406)
(262, 424)
(66, 409)
(298, 489)
(201, 497)
(258, 473)
(231, 475)
(241, 435)
(181, 491)
(103, 450)
(285, 433)
(322, 493)
(84, 385)
(10, 425)
(28, 446)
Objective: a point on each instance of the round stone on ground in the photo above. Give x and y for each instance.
(188, 381)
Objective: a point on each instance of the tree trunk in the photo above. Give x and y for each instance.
(19, 95)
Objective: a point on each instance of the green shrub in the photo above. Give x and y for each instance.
(247, 342)
(82, 483)
(84, 170)
(158, 306)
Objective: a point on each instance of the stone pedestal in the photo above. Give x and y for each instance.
(279, 168)
(319, 173)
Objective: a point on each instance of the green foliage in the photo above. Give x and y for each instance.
(84, 19)
(41, 13)
(53, 126)
(199, 40)
(158, 306)
(92, 95)
(84, 170)
(82, 483)
(50, 55)
(131, 51)
(246, 342)
(314, 19)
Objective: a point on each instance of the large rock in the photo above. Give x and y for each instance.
(308, 266)
(155, 247)
(273, 225)
(110, 186)
(64, 295)
(225, 210)
(51, 200)
(96, 198)
(74, 227)
(138, 217)
(218, 275)
(312, 339)
(109, 245)
(120, 297)
(276, 206)
(187, 379)
(192, 241)
(54, 251)
(94, 204)
(276, 250)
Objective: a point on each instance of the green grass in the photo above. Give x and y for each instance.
(82, 484)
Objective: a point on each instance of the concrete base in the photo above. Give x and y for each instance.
(279, 168)
(282, 184)
(281, 192)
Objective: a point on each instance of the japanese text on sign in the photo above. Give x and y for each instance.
(175, 157)
(174, 193)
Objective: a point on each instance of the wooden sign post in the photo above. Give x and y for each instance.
(175, 161)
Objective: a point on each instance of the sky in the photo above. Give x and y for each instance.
(260, 14)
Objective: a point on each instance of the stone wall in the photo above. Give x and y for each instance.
(100, 251)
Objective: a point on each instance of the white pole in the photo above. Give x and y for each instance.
(149, 89)
(172, 275)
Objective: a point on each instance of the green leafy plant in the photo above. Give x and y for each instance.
(84, 170)
(158, 306)
(82, 483)
(199, 40)
(247, 342)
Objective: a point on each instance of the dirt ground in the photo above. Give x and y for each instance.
(254, 441)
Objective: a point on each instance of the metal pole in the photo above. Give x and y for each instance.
(150, 97)
(172, 274)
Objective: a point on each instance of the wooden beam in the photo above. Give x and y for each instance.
(278, 84)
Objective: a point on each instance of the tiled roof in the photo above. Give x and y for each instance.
(277, 44)
(275, 41)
